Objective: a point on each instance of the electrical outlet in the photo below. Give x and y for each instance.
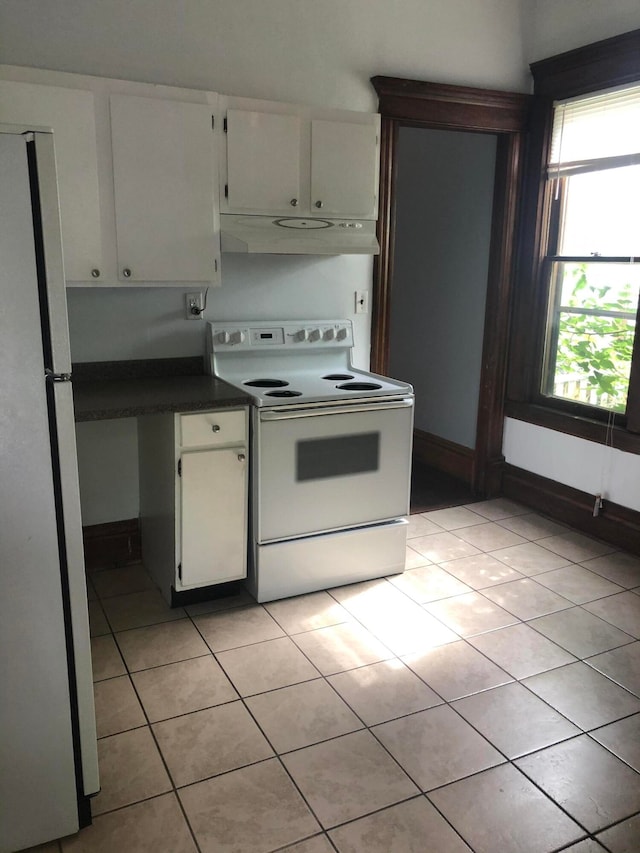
(362, 301)
(194, 306)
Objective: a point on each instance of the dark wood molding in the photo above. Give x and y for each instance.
(435, 105)
(616, 524)
(598, 66)
(451, 107)
(606, 63)
(447, 456)
(383, 263)
(116, 543)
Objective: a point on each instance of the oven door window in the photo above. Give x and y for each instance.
(337, 456)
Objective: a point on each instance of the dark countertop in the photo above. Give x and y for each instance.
(104, 390)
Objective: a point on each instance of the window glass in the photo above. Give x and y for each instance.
(590, 333)
(338, 456)
(601, 213)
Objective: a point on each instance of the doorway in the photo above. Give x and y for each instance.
(450, 169)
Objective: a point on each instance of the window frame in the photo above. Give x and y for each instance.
(606, 64)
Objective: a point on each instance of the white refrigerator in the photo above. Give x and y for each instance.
(48, 753)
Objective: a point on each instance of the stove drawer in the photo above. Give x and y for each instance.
(210, 429)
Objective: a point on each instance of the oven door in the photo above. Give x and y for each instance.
(332, 467)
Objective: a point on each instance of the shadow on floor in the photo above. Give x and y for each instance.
(433, 489)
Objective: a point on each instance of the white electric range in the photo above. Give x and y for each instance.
(331, 455)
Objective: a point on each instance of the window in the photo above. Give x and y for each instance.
(574, 359)
(590, 270)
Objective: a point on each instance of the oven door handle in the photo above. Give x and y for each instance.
(277, 415)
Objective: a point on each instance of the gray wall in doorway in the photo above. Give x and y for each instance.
(443, 228)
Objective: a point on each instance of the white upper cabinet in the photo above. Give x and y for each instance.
(263, 161)
(344, 169)
(286, 159)
(164, 180)
(70, 114)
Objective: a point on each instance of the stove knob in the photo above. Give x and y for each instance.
(224, 337)
(237, 337)
(314, 335)
(302, 335)
(342, 334)
(329, 334)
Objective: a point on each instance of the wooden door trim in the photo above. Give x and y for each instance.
(435, 105)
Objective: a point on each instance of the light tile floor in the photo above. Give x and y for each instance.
(486, 700)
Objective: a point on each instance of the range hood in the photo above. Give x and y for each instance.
(287, 235)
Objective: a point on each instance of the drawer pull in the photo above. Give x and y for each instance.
(215, 428)
(241, 457)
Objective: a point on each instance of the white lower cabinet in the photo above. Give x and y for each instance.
(194, 498)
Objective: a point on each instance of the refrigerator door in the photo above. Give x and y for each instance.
(40, 770)
(58, 361)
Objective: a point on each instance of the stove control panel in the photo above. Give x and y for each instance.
(283, 334)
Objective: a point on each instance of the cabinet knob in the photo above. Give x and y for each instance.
(126, 272)
(95, 273)
(294, 202)
(215, 427)
(318, 203)
(241, 457)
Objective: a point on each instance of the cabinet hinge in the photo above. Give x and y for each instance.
(180, 570)
(226, 190)
(213, 122)
(215, 264)
(179, 467)
(224, 125)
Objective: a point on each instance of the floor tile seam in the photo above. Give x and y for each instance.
(591, 732)
(589, 832)
(479, 651)
(574, 559)
(635, 636)
(610, 677)
(130, 671)
(290, 845)
(149, 625)
(105, 597)
(296, 633)
(612, 826)
(420, 796)
(165, 765)
(207, 654)
(233, 648)
(275, 755)
(581, 730)
(541, 790)
(570, 604)
(598, 574)
(194, 711)
(558, 643)
(355, 620)
(406, 772)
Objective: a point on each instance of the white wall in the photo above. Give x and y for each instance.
(555, 26)
(592, 468)
(312, 51)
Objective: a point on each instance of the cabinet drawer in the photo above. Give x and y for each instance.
(213, 428)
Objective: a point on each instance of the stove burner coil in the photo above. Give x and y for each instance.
(338, 376)
(283, 393)
(359, 386)
(266, 383)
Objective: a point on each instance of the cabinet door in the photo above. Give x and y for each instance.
(164, 181)
(263, 163)
(70, 114)
(213, 509)
(344, 169)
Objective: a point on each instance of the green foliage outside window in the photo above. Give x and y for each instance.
(595, 349)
